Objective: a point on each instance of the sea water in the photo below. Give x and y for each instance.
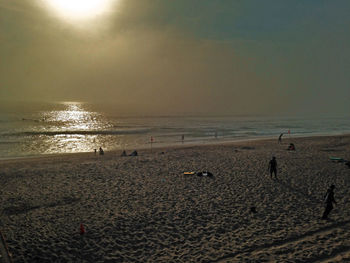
(69, 127)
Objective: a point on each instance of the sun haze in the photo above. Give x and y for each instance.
(152, 56)
(79, 9)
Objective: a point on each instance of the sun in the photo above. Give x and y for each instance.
(79, 9)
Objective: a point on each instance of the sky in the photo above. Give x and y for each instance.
(183, 56)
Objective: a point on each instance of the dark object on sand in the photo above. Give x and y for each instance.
(291, 147)
(123, 153)
(329, 200)
(253, 209)
(134, 153)
(205, 173)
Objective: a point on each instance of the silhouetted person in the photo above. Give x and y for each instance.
(280, 138)
(329, 200)
(101, 151)
(348, 164)
(95, 151)
(123, 153)
(273, 167)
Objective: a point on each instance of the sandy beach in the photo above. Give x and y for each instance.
(143, 209)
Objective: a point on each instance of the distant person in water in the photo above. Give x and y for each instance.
(95, 150)
(101, 151)
(280, 138)
(273, 167)
(329, 200)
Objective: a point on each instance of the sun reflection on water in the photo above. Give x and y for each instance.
(74, 124)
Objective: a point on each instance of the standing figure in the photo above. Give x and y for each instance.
(280, 138)
(329, 200)
(273, 167)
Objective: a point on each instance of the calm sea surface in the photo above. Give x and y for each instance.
(69, 127)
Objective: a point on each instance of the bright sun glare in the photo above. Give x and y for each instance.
(79, 9)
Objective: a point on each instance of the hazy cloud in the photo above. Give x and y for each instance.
(221, 57)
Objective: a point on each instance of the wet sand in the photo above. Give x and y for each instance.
(143, 209)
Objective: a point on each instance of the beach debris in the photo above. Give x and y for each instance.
(253, 209)
(247, 148)
(82, 229)
(205, 173)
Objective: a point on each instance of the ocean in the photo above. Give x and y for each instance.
(70, 127)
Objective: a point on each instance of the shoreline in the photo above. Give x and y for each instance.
(179, 145)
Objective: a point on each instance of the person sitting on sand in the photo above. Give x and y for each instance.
(329, 200)
(134, 153)
(348, 163)
(101, 151)
(291, 147)
(273, 167)
(123, 153)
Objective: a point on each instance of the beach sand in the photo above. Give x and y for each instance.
(143, 209)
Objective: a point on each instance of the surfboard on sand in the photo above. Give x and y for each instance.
(189, 173)
(337, 159)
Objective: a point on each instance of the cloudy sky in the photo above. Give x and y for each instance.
(167, 56)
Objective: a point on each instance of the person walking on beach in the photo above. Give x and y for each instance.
(273, 167)
(280, 138)
(329, 200)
